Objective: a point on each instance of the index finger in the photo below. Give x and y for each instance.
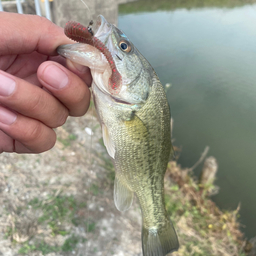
(22, 34)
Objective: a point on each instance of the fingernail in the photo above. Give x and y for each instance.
(7, 85)
(7, 116)
(55, 77)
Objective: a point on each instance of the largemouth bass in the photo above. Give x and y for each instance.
(135, 119)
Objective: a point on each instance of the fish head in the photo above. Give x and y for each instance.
(134, 74)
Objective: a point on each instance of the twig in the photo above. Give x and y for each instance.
(200, 160)
(47, 201)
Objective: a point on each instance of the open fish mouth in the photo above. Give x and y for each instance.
(103, 29)
(102, 41)
(86, 53)
(98, 49)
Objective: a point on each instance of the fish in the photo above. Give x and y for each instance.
(134, 114)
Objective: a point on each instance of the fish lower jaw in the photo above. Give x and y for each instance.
(120, 100)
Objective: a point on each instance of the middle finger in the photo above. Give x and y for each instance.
(31, 101)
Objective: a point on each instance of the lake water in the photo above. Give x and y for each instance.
(209, 57)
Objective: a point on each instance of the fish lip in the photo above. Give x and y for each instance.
(100, 23)
(101, 27)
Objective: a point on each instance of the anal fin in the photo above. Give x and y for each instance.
(123, 196)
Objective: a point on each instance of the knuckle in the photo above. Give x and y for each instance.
(47, 144)
(34, 132)
(79, 112)
(79, 98)
(38, 138)
(51, 142)
(80, 104)
(62, 118)
(42, 20)
(37, 103)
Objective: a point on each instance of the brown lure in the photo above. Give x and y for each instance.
(82, 34)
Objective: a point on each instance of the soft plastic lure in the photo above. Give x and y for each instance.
(82, 34)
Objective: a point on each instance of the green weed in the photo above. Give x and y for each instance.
(65, 142)
(8, 232)
(40, 246)
(55, 210)
(72, 137)
(95, 189)
(90, 225)
(70, 243)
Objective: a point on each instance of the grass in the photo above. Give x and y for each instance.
(70, 243)
(54, 211)
(67, 141)
(95, 189)
(202, 227)
(41, 246)
(8, 232)
(90, 225)
(68, 246)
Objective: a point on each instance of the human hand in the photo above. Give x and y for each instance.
(38, 90)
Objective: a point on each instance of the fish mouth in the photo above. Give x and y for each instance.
(103, 29)
(98, 61)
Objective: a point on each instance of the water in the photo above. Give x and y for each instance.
(209, 57)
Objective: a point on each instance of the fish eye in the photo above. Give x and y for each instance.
(125, 46)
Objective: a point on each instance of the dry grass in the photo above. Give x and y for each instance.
(202, 227)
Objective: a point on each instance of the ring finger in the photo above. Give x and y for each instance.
(22, 134)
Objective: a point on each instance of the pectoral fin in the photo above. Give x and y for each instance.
(108, 142)
(123, 196)
(137, 130)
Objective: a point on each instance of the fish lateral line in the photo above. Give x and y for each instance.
(81, 34)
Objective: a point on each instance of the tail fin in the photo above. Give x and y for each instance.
(159, 242)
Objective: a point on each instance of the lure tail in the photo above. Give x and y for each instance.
(159, 242)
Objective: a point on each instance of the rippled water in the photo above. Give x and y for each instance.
(209, 57)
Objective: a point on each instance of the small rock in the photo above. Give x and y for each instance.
(88, 131)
